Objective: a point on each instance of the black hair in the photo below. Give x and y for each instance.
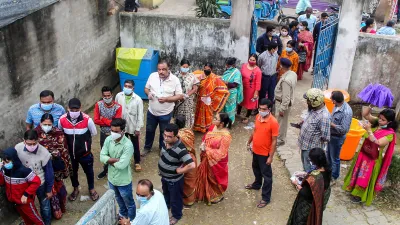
(185, 61)
(171, 127)
(46, 93)
(390, 23)
(318, 157)
(309, 8)
(231, 61)
(267, 102)
(368, 23)
(106, 89)
(269, 28)
(305, 25)
(291, 43)
(285, 27)
(148, 183)
(47, 116)
(390, 116)
(224, 118)
(163, 62)
(337, 96)
(118, 122)
(130, 82)
(271, 46)
(324, 14)
(180, 120)
(209, 65)
(254, 55)
(294, 23)
(31, 135)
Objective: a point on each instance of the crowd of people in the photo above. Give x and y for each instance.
(57, 142)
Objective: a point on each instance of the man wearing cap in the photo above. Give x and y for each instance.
(284, 96)
(79, 128)
(315, 130)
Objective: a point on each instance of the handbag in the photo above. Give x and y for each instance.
(371, 149)
(302, 56)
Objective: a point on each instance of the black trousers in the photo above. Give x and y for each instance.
(239, 109)
(262, 171)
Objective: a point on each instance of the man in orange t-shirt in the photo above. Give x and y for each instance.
(264, 139)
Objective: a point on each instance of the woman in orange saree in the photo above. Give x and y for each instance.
(187, 137)
(212, 97)
(305, 49)
(212, 173)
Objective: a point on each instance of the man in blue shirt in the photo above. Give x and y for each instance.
(311, 19)
(46, 105)
(268, 37)
(301, 6)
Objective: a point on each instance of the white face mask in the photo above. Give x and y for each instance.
(264, 114)
(46, 128)
(115, 135)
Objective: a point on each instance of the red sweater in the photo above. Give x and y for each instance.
(103, 120)
(16, 187)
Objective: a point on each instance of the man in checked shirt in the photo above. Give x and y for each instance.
(315, 130)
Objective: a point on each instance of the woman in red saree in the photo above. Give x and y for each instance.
(187, 137)
(304, 49)
(53, 140)
(212, 173)
(367, 174)
(212, 97)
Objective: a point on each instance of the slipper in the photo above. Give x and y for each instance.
(262, 204)
(94, 196)
(138, 168)
(250, 187)
(73, 196)
(173, 221)
(220, 200)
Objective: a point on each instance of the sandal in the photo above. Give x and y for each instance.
(262, 204)
(138, 168)
(94, 196)
(73, 196)
(173, 221)
(250, 187)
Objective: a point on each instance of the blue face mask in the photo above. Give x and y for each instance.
(46, 107)
(384, 126)
(184, 70)
(142, 200)
(128, 91)
(289, 49)
(9, 165)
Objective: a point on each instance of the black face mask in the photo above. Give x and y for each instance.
(207, 72)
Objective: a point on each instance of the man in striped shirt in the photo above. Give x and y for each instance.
(174, 162)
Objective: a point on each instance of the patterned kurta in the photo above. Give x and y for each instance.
(186, 108)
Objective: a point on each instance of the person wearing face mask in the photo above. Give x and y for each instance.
(233, 79)
(251, 75)
(268, 38)
(37, 158)
(284, 36)
(117, 153)
(190, 85)
(132, 112)
(305, 46)
(289, 53)
(54, 141)
(212, 96)
(268, 61)
(153, 210)
(315, 130)
(284, 97)
(104, 111)
(21, 184)
(263, 140)
(163, 90)
(367, 174)
(46, 105)
(79, 128)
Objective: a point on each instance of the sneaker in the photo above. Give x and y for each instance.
(355, 199)
(145, 152)
(102, 175)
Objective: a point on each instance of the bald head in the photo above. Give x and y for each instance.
(309, 11)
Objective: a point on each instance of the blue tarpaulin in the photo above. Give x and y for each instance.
(12, 10)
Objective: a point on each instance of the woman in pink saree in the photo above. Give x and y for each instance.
(304, 49)
(212, 173)
(369, 168)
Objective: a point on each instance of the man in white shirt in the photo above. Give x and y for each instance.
(153, 209)
(163, 90)
(311, 19)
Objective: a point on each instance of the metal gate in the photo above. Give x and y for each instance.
(325, 52)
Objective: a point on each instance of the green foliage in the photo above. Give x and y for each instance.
(394, 171)
(207, 8)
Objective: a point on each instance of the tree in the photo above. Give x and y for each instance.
(207, 8)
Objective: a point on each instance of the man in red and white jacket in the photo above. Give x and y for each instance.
(21, 184)
(79, 128)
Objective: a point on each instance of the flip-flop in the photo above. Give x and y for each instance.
(73, 196)
(94, 196)
(262, 204)
(250, 187)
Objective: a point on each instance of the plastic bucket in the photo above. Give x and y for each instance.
(352, 140)
(327, 99)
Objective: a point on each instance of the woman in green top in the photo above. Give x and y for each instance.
(368, 171)
(233, 80)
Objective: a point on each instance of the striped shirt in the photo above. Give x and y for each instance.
(267, 62)
(171, 159)
(341, 117)
(315, 130)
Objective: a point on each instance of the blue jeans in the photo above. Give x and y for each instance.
(173, 195)
(334, 147)
(151, 126)
(305, 160)
(268, 84)
(124, 196)
(45, 208)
